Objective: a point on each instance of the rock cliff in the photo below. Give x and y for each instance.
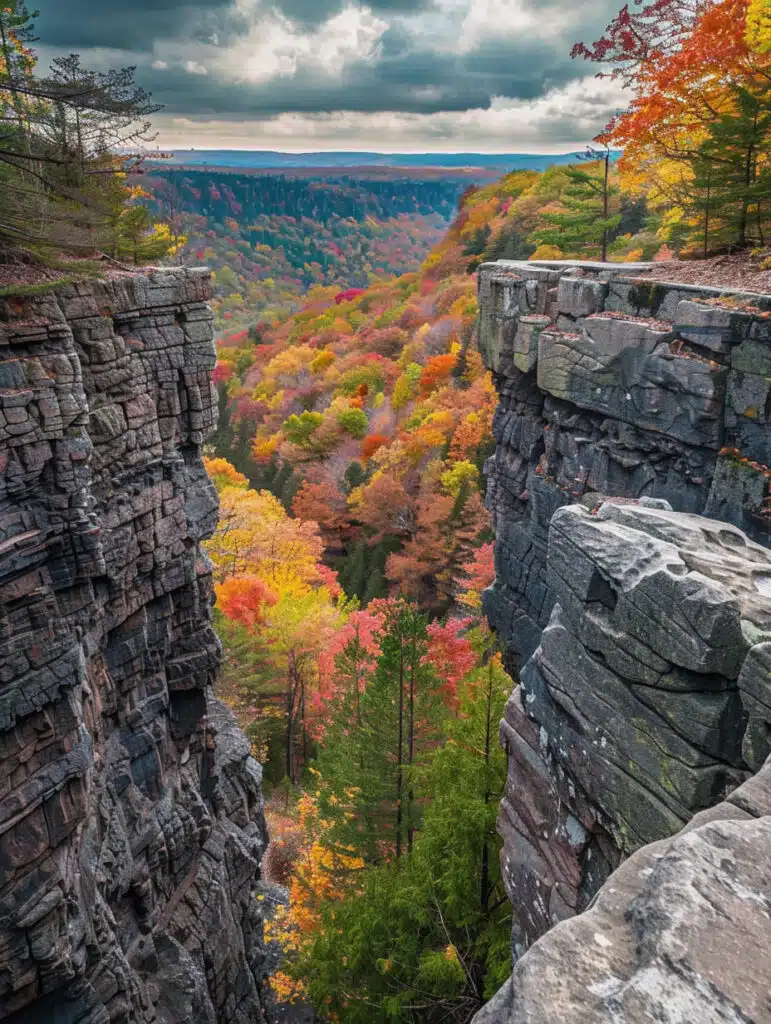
(642, 640)
(131, 824)
(614, 385)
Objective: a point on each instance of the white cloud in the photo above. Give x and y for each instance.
(493, 19)
(275, 46)
(160, 65)
(194, 68)
(562, 120)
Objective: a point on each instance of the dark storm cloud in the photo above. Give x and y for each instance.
(314, 12)
(136, 24)
(121, 24)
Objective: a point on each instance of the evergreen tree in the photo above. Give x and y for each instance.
(378, 750)
(65, 147)
(586, 222)
(732, 176)
(425, 939)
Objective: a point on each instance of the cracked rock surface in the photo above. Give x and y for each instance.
(131, 825)
(641, 640)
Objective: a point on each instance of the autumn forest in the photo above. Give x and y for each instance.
(354, 544)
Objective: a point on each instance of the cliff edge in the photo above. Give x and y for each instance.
(641, 637)
(131, 824)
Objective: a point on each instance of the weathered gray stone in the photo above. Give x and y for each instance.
(131, 825)
(666, 938)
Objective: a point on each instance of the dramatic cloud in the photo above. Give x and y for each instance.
(463, 74)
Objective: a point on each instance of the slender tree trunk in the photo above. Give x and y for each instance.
(748, 175)
(707, 212)
(303, 724)
(411, 746)
(484, 894)
(290, 718)
(605, 204)
(400, 758)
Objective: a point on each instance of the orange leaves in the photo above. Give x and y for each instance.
(692, 84)
(322, 874)
(371, 443)
(479, 574)
(243, 599)
(224, 474)
(321, 503)
(436, 372)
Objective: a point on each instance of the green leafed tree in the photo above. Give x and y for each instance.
(588, 216)
(425, 939)
(732, 175)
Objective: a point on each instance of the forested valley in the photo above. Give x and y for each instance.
(354, 544)
(269, 238)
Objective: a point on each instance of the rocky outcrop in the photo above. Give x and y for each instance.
(646, 703)
(131, 824)
(641, 638)
(614, 385)
(681, 932)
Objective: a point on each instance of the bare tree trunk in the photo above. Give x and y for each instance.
(411, 745)
(399, 759)
(605, 206)
(485, 876)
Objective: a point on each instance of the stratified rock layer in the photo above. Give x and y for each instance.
(645, 704)
(615, 386)
(131, 824)
(642, 641)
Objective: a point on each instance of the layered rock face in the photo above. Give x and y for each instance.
(642, 640)
(647, 701)
(131, 824)
(611, 385)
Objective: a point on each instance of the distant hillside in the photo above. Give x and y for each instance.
(267, 158)
(270, 238)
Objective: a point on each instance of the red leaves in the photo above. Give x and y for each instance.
(371, 443)
(436, 371)
(348, 296)
(450, 654)
(243, 599)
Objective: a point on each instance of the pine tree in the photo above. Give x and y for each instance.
(587, 221)
(378, 750)
(426, 939)
(732, 177)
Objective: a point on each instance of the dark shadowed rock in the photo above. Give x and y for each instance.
(131, 826)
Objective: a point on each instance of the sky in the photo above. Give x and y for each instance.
(486, 76)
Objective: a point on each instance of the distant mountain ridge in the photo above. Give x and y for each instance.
(274, 159)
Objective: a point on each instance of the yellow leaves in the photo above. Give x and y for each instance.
(255, 535)
(548, 252)
(462, 474)
(174, 243)
(758, 34)
(263, 448)
(322, 361)
(322, 874)
(224, 474)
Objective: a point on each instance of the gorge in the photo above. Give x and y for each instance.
(132, 829)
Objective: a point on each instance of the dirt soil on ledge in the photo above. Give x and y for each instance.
(739, 271)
